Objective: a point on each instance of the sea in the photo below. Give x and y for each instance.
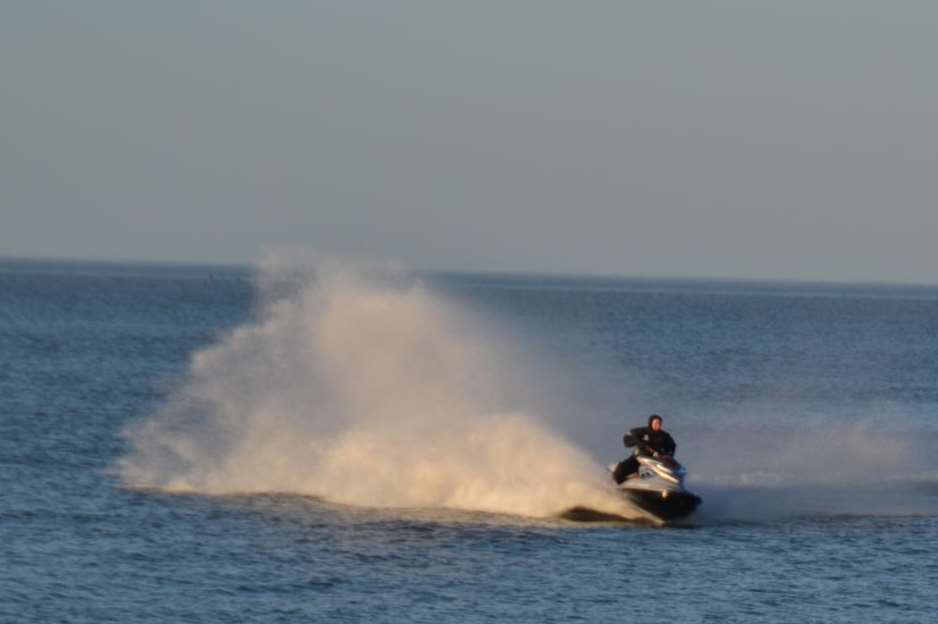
(319, 440)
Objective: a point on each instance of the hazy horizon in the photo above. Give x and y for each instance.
(249, 267)
(732, 140)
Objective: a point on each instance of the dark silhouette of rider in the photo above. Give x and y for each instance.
(650, 441)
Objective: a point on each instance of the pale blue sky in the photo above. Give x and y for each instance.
(732, 139)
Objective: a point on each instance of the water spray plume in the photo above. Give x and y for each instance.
(363, 387)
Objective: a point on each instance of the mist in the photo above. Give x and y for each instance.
(358, 385)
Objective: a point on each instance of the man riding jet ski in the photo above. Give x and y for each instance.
(651, 478)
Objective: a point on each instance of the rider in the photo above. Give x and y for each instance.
(650, 441)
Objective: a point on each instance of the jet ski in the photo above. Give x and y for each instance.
(658, 488)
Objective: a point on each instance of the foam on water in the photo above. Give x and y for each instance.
(363, 387)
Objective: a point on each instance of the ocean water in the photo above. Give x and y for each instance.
(352, 443)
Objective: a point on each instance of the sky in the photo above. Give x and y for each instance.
(745, 139)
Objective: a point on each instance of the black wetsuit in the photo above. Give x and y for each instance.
(647, 442)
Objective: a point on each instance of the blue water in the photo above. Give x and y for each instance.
(807, 414)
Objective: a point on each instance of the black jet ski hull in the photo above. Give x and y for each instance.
(664, 504)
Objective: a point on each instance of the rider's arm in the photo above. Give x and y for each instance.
(634, 437)
(639, 436)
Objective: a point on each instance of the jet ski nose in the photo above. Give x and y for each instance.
(670, 476)
(674, 473)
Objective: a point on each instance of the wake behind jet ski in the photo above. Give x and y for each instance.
(651, 478)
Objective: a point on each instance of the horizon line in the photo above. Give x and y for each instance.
(247, 266)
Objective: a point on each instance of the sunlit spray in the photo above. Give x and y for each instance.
(363, 387)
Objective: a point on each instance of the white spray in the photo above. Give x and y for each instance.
(370, 391)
